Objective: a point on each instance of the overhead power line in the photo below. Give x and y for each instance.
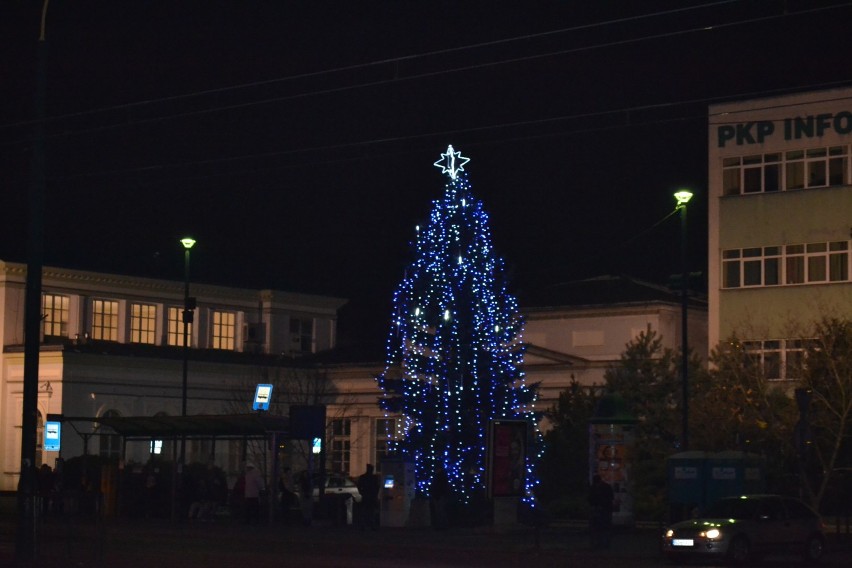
(398, 79)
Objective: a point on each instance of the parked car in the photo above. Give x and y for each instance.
(740, 529)
(335, 484)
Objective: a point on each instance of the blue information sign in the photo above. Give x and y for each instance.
(52, 431)
(262, 396)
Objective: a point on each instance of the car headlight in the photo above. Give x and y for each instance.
(712, 534)
(669, 533)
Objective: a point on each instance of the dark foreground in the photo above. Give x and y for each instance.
(128, 543)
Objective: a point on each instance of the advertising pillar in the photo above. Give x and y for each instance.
(611, 440)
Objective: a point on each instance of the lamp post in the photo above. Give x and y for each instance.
(188, 307)
(683, 196)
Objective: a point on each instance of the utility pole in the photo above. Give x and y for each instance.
(25, 542)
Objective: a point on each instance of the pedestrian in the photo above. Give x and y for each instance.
(438, 496)
(45, 487)
(254, 486)
(287, 497)
(306, 498)
(368, 487)
(601, 499)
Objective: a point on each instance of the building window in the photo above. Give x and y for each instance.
(302, 335)
(791, 264)
(109, 443)
(175, 328)
(55, 311)
(385, 436)
(779, 359)
(224, 330)
(105, 320)
(797, 169)
(340, 445)
(143, 323)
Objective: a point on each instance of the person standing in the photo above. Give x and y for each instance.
(368, 487)
(601, 499)
(438, 496)
(306, 498)
(254, 486)
(45, 487)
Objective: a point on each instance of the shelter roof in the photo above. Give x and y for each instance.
(218, 425)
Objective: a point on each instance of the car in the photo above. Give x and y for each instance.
(744, 528)
(335, 484)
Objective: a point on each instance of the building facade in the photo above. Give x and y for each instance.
(780, 221)
(113, 346)
(580, 329)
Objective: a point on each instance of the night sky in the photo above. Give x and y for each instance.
(295, 140)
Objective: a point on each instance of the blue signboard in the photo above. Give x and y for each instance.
(262, 396)
(52, 435)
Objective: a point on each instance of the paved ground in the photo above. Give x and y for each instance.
(128, 543)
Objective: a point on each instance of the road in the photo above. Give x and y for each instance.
(129, 543)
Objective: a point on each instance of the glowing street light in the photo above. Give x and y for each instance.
(188, 307)
(683, 196)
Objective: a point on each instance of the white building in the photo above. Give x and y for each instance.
(585, 326)
(780, 220)
(112, 346)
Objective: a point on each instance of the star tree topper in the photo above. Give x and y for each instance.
(451, 162)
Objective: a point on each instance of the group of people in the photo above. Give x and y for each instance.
(49, 489)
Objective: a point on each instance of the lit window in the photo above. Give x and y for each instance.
(176, 328)
(55, 310)
(105, 320)
(143, 323)
(224, 330)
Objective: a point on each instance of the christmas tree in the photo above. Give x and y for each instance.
(455, 355)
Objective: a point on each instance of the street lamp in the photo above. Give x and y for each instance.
(188, 307)
(683, 196)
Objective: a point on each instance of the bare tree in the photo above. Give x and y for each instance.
(826, 428)
(294, 383)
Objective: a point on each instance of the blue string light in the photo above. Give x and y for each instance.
(454, 354)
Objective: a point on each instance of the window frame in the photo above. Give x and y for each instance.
(175, 326)
(779, 355)
(786, 265)
(50, 324)
(793, 170)
(219, 339)
(340, 445)
(143, 325)
(105, 319)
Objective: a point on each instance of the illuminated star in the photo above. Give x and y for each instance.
(452, 162)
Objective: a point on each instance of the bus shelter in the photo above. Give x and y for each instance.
(269, 429)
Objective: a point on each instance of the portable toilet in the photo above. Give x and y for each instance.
(686, 473)
(733, 473)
